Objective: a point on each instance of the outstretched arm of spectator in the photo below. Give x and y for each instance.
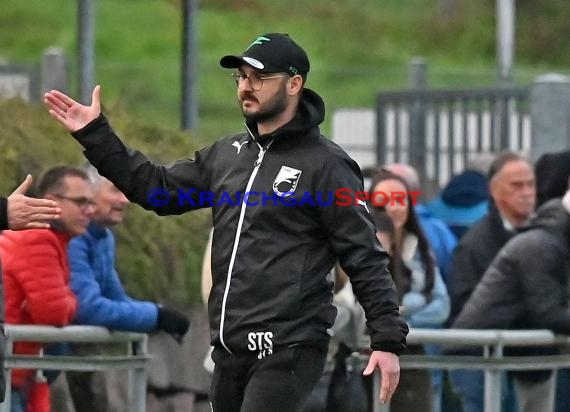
(110, 308)
(73, 115)
(19, 211)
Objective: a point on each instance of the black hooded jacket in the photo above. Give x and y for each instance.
(473, 255)
(271, 254)
(526, 286)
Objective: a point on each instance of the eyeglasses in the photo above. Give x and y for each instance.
(255, 82)
(81, 202)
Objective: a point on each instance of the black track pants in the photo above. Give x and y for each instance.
(280, 382)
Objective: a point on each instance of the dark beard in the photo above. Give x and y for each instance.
(273, 109)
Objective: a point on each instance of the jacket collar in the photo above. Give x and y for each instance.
(96, 230)
(62, 236)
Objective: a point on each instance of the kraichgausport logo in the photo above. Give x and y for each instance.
(159, 197)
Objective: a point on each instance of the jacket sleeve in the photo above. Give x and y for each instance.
(541, 267)
(177, 185)
(48, 298)
(351, 233)
(113, 310)
(436, 311)
(524, 287)
(3, 213)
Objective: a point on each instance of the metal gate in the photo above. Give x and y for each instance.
(437, 131)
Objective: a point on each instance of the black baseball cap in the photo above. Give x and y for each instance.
(271, 53)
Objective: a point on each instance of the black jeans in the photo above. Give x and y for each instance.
(279, 382)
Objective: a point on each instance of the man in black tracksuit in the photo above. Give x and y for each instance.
(278, 230)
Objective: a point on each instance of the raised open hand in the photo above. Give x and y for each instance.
(71, 114)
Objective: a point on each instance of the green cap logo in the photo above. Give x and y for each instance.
(259, 40)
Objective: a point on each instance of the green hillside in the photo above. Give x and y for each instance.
(357, 48)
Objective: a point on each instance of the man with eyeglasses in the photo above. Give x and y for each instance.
(36, 271)
(270, 304)
(102, 300)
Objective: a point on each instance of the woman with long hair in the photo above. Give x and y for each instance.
(424, 301)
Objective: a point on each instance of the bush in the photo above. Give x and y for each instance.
(158, 258)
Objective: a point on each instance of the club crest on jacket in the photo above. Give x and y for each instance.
(286, 181)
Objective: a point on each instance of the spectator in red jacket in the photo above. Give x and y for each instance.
(36, 270)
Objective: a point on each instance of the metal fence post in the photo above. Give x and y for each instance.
(54, 70)
(417, 143)
(86, 48)
(5, 406)
(493, 381)
(376, 405)
(550, 112)
(189, 108)
(381, 141)
(138, 378)
(506, 17)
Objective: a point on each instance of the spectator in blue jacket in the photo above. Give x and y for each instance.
(465, 198)
(95, 281)
(102, 300)
(462, 202)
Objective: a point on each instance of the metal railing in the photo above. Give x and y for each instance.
(493, 343)
(135, 360)
(492, 362)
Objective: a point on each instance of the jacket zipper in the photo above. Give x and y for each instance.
(257, 164)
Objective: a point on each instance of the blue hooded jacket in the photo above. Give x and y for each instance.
(463, 201)
(102, 300)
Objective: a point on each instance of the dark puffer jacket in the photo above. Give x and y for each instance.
(526, 286)
(472, 258)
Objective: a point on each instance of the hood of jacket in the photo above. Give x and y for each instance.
(553, 217)
(310, 114)
(466, 189)
(552, 172)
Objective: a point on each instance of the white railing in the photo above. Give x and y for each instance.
(492, 362)
(135, 360)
